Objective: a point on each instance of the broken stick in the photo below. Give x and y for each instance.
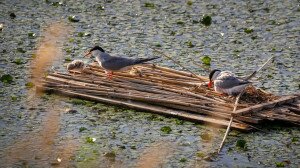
(236, 103)
(230, 122)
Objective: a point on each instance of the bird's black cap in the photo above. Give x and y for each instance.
(97, 48)
(212, 73)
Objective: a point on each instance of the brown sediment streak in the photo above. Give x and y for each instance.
(39, 148)
(49, 48)
(156, 155)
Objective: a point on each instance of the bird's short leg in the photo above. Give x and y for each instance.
(109, 74)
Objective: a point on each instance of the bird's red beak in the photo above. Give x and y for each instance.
(210, 84)
(88, 54)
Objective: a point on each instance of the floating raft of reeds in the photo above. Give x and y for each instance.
(174, 93)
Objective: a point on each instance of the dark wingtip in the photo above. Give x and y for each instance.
(142, 60)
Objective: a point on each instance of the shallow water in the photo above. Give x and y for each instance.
(36, 130)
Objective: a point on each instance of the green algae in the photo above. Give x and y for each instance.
(206, 60)
(81, 129)
(21, 50)
(179, 22)
(166, 129)
(82, 102)
(280, 164)
(73, 18)
(6, 78)
(206, 136)
(31, 35)
(18, 61)
(80, 34)
(29, 85)
(149, 5)
(190, 3)
(190, 44)
(200, 154)
(90, 140)
(183, 160)
(248, 30)
(206, 20)
(241, 144)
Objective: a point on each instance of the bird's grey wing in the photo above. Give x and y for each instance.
(226, 82)
(117, 63)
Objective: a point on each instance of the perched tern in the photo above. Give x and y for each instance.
(226, 82)
(114, 63)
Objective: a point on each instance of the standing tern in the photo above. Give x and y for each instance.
(114, 63)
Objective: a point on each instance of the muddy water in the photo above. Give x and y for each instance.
(155, 155)
(49, 48)
(40, 148)
(37, 132)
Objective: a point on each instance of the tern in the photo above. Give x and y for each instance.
(76, 65)
(114, 63)
(225, 82)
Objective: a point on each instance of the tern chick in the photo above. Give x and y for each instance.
(114, 63)
(225, 82)
(76, 65)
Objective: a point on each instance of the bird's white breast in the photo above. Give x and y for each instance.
(99, 61)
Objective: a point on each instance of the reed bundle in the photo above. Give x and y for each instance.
(157, 89)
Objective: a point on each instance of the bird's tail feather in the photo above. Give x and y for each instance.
(142, 60)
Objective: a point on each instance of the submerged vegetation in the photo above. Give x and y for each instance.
(6, 78)
(29, 85)
(74, 18)
(90, 140)
(206, 136)
(206, 60)
(149, 5)
(31, 35)
(82, 129)
(190, 3)
(206, 20)
(21, 50)
(241, 144)
(248, 30)
(82, 102)
(166, 129)
(190, 44)
(18, 61)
